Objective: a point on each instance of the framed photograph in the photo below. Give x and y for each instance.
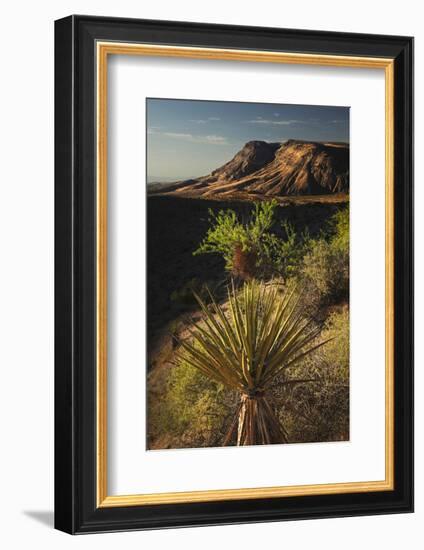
(234, 271)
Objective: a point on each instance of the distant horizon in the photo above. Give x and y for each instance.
(190, 138)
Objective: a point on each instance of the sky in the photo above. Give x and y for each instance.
(188, 138)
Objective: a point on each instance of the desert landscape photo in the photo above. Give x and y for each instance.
(247, 273)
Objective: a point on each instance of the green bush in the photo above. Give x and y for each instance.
(326, 273)
(253, 249)
(287, 253)
(325, 266)
(339, 226)
(319, 411)
(227, 233)
(192, 412)
(336, 352)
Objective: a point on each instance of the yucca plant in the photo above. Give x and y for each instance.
(262, 334)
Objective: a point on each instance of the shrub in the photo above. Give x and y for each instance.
(324, 270)
(326, 273)
(231, 238)
(287, 252)
(340, 229)
(319, 411)
(193, 410)
(336, 352)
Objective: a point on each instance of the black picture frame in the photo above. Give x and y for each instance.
(76, 508)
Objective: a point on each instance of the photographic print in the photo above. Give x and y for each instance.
(247, 273)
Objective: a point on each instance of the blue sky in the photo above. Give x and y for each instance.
(187, 138)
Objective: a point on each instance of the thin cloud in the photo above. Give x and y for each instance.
(293, 122)
(275, 122)
(177, 135)
(204, 120)
(217, 140)
(210, 139)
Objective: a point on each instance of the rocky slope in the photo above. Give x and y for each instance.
(275, 170)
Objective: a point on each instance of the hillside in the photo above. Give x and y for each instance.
(293, 168)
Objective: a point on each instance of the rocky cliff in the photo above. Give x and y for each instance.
(275, 170)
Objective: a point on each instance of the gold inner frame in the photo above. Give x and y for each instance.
(104, 49)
